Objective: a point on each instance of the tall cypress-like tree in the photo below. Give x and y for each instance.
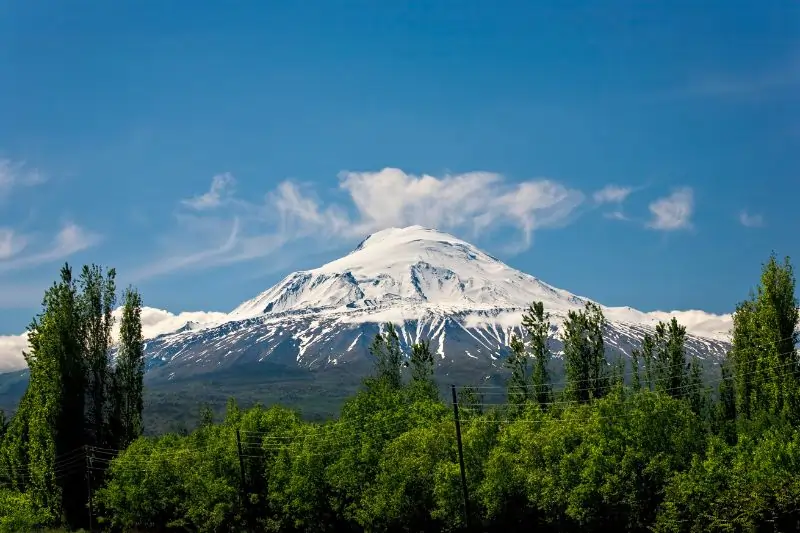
(127, 384)
(537, 325)
(517, 386)
(96, 303)
(422, 368)
(584, 354)
(55, 400)
(669, 366)
(648, 347)
(385, 348)
(598, 364)
(764, 339)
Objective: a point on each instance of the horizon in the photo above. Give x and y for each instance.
(641, 156)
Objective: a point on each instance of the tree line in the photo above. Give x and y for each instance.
(84, 391)
(639, 444)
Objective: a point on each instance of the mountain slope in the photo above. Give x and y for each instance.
(430, 284)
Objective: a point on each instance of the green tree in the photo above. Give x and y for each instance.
(763, 350)
(422, 368)
(584, 354)
(128, 374)
(95, 303)
(388, 356)
(54, 413)
(669, 359)
(518, 382)
(537, 325)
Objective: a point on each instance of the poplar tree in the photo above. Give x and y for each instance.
(537, 325)
(96, 303)
(518, 381)
(422, 368)
(584, 353)
(127, 382)
(764, 351)
(385, 348)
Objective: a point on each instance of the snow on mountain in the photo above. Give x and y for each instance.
(430, 284)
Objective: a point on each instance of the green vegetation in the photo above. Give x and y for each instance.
(634, 447)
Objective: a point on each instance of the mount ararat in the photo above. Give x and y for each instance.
(305, 341)
(430, 284)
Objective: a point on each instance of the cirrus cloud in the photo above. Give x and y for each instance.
(241, 230)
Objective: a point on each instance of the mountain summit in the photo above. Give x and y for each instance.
(411, 266)
(432, 285)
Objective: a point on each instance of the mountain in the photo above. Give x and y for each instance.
(432, 285)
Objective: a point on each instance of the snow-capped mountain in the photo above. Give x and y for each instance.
(430, 284)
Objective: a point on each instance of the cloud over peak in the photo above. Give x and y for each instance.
(472, 201)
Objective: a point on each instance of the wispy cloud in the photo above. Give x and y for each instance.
(222, 187)
(11, 243)
(474, 201)
(616, 215)
(673, 212)
(14, 174)
(612, 194)
(783, 75)
(70, 239)
(750, 220)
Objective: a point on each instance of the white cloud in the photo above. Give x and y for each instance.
(474, 201)
(751, 220)
(221, 188)
(16, 174)
(616, 215)
(70, 239)
(155, 322)
(11, 348)
(673, 212)
(612, 194)
(11, 243)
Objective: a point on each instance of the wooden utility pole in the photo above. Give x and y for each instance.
(461, 457)
(241, 465)
(89, 486)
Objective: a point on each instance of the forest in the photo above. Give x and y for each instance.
(645, 443)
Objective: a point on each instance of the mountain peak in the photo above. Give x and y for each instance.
(397, 236)
(415, 268)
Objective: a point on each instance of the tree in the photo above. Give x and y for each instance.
(388, 356)
(422, 368)
(537, 325)
(648, 346)
(517, 362)
(54, 414)
(636, 376)
(764, 338)
(95, 304)
(598, 365)
(669, 359)
(584, 353)
(128, 375)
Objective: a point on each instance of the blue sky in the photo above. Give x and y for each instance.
(207, 149)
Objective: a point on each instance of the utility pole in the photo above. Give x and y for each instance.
(461, 458)
(241, 464)
(89, 486)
